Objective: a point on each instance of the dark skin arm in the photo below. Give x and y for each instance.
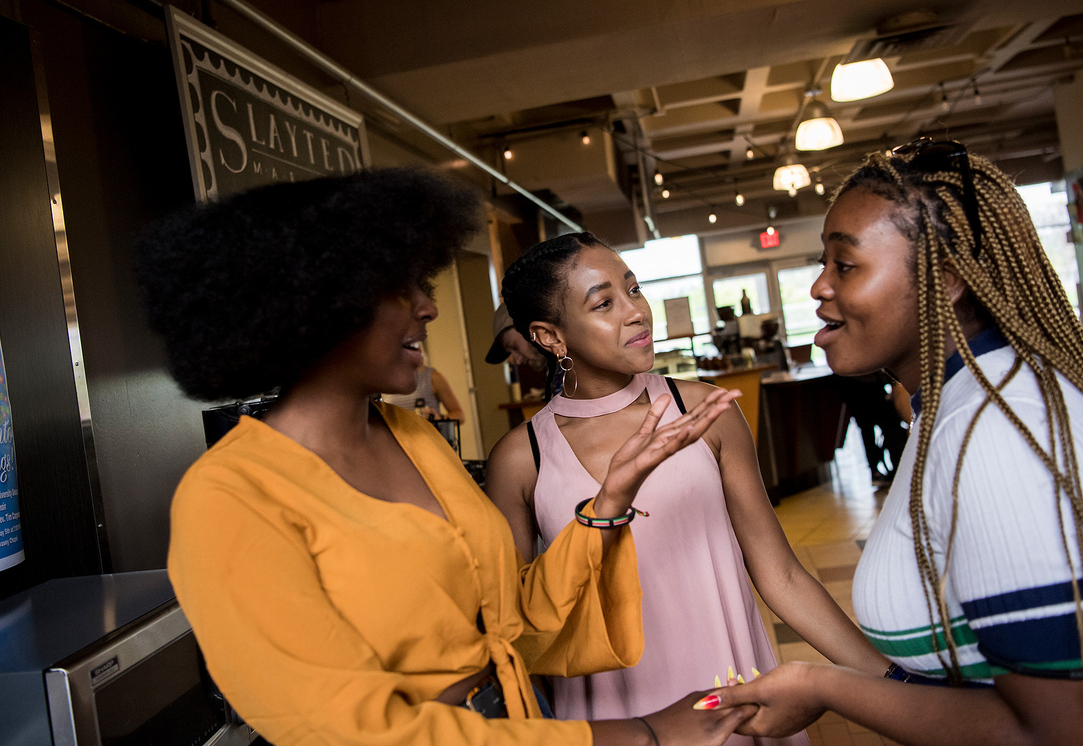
(509, 481)
(1018, 711)
(442, 389)
(673, 726)
(783, 582)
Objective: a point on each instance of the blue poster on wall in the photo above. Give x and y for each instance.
(11, 538)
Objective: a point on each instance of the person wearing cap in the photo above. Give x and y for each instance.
(529, 364)
(508, 342)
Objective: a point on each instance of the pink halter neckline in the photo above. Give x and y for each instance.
(608, 404)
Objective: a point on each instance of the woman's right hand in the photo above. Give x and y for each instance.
(651, 445)
(676, 725)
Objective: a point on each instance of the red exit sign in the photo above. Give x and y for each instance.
(768, 239)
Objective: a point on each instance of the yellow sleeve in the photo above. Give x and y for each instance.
(581, 614)
(290, 664)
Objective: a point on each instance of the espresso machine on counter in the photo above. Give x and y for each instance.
(748, 339)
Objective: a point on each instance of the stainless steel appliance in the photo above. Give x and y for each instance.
(107, 660)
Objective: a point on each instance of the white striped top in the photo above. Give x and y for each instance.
(1008, 587)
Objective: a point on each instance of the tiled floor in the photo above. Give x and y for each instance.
(827, 527)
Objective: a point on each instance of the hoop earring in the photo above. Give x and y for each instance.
(567, 370)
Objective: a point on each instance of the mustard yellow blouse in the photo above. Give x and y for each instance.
(329, 617)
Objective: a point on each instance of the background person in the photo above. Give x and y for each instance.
(934, 272)
(528, 364)
(432, 388)
(509, 342)
(345, 578)
(710, 518)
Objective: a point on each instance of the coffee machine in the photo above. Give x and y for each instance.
(727, 335)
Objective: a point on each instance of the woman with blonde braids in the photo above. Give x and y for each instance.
(934, 272)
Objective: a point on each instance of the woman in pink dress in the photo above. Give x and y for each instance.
(709, 518)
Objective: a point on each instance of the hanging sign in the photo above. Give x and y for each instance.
(248, 123)
(11, 537)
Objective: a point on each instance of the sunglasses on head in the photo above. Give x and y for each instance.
(931, 156)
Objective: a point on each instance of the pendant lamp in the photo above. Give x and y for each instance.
(818, 129)
(792, 176)
(859, 80)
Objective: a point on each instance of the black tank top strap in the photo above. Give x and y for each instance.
(676, 394)
(533, 444)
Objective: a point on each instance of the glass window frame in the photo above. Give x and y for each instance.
(695, 342)
(722, 272)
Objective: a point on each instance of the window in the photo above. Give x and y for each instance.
(671, 268)
(1049, 211)
(799, 319)
(666, 257)
(657, 292)
(728, 290)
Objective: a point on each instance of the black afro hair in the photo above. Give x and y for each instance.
(252, 291)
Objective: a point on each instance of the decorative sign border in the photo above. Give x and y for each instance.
(248, 123)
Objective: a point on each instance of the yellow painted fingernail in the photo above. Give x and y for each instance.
(729, 673)
(717, 682)
(740, 679)
(755, 673)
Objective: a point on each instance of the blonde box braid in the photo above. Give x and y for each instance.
(1014, 283)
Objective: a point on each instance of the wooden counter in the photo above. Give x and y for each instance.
(804, 421)
(521, 411)
(747, 380)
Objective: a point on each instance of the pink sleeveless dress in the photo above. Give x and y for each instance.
(699, 614)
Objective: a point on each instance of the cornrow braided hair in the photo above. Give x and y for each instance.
(534, 285)
(1015, 286)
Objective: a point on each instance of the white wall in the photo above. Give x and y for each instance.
(448, 353)
(797, 238)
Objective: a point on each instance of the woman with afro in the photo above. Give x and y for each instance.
(347, 581)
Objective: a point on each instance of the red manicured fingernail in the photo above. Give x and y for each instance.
(710, 702)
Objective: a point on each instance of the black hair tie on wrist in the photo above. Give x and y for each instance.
(654, 736)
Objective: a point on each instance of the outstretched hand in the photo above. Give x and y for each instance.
(651, 445)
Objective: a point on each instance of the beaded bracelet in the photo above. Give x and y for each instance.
(623, 520)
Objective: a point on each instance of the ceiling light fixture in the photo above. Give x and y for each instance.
(750, 154)
(770, 230)
(818, 129)
(585, 137)
(712, 218)
(977, 93)
(508, 155)
(859, 80)
(665, 194)
(819, 187)
(739, 199)
(658, 179)
(792, 191)
(944, 105)
(793, 176)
